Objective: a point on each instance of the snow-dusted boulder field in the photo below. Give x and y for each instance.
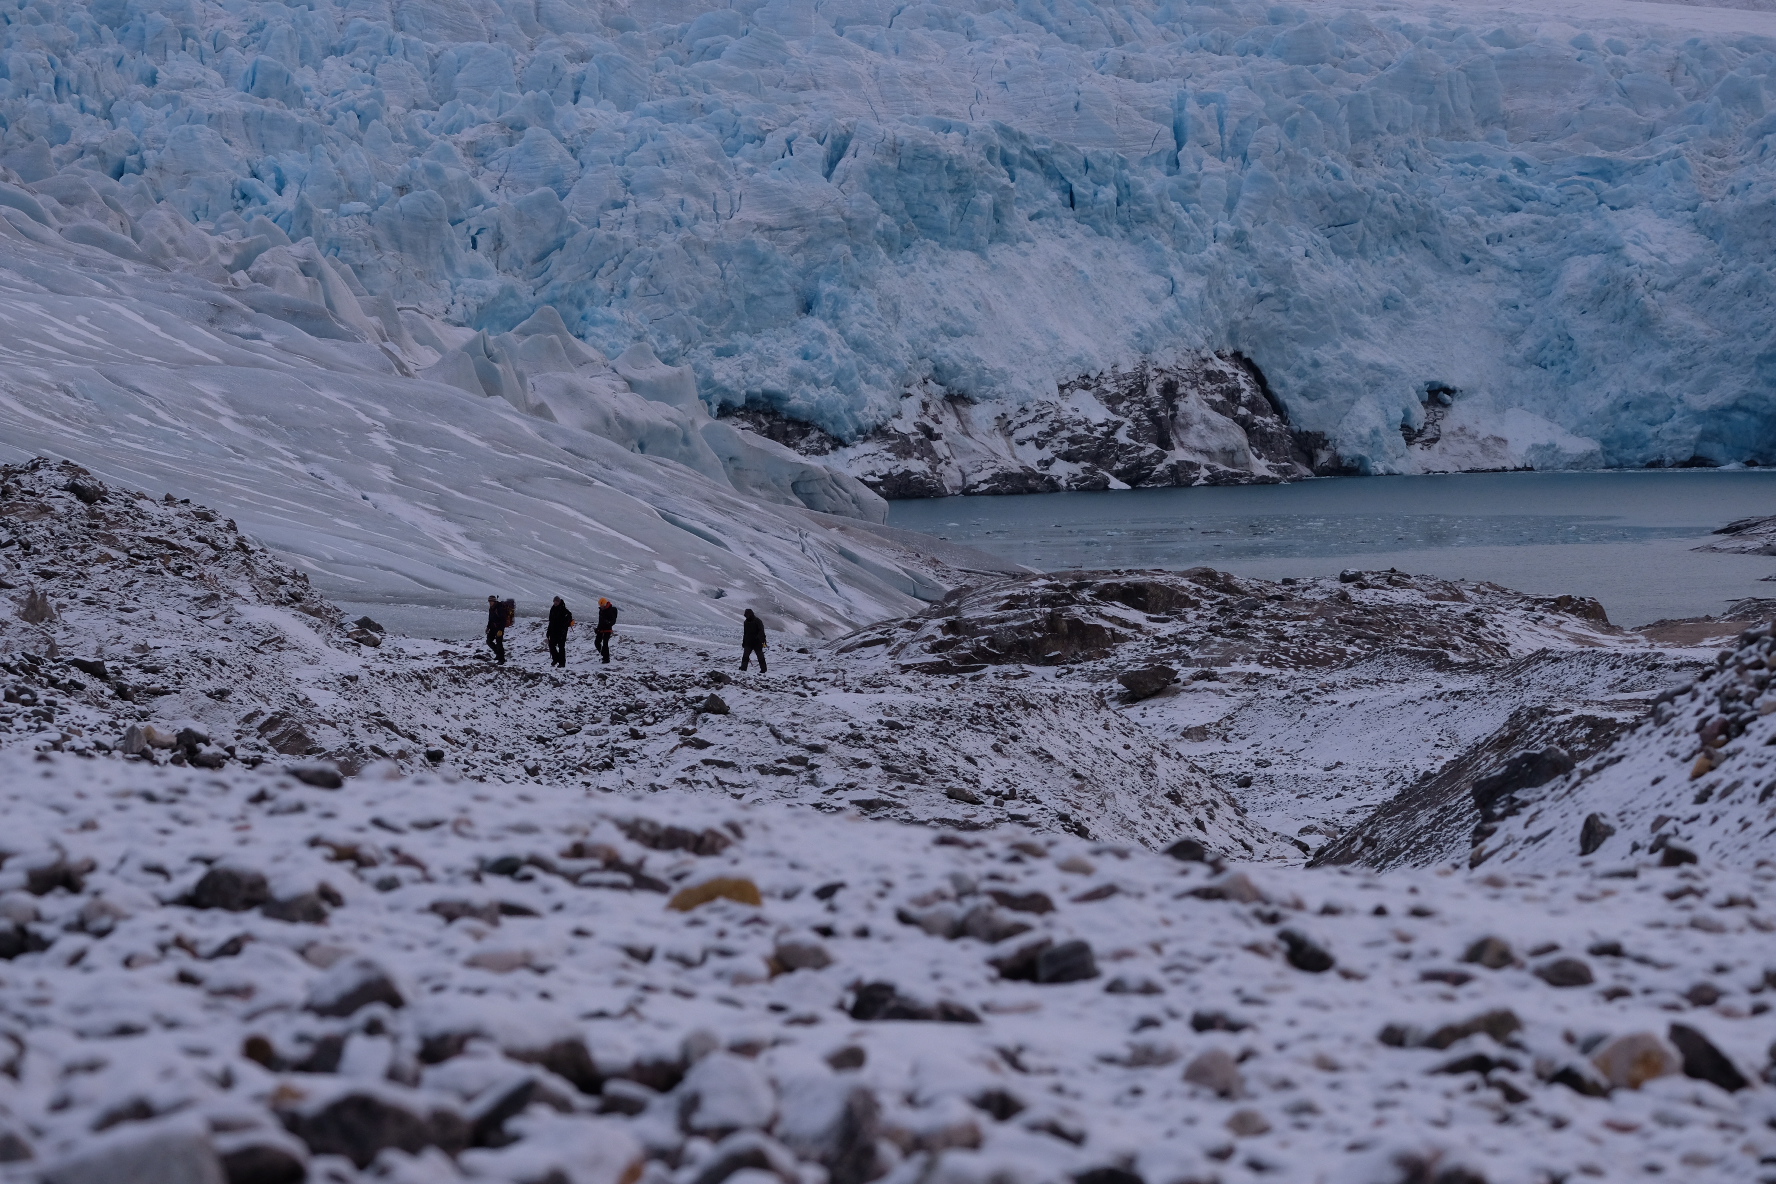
(243, 977)
(1448, 237)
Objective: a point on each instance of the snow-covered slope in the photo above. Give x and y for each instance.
(1694, 781)
(1556, 221)
(395, 471)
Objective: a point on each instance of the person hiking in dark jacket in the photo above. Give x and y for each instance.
(560, 621)
(607, 624)
(498, 617)
(752, 641)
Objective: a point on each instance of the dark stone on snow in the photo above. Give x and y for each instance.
(1675, 856)
(1189, 851)
(844, 1142)
(1580, 1082)
(1146, 682)
(1566, 972)
(567, 1059)
(1046, 962)
(659, 837)
(367, 623)
(1108, 1176)
(93, 667)
(1494, 953)
(233, 890)
(1305, 954)
(306, 908)
(18, 939)
(14, 1148)
(263, 1163)
(1023, 902)
(1703, 1061)
(351, 986)
(883, 1001)
(714, 705)
(487, 1118)
(1594, 833)
(1001, 1104)
(1216, 1021)
(1526, 770)
(360, 1124)
(321, 776)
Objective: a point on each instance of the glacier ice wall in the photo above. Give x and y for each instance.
(1568, 224)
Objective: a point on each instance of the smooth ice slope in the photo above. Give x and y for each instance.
(1566, 218)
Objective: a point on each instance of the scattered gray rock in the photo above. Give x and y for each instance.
(1047, 962)
(321, 775)
(362, 1122)
(724, 1093)
(1216, 1070)
(567, 1058)
(800, 953)
(1190, 851)
(262, 1157)
(714, 705)
(352, 984)
(231, 889)
(1023, 902)
(747, 1151)
(1305, 954)
(1703, 1061)
(1146, 681)
(1565, 972)
(368, 624)
(164, 1156)
(1594, 834)
(883, 1001)
(837, 1128)
(305, 908)
(1494, 953)
(961, 793)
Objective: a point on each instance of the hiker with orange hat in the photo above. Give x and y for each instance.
(607, 624)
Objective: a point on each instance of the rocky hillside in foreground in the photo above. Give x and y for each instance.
(244, 977)
(1695, 781)
(1346, 718)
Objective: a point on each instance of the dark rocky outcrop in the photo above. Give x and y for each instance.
(1211, 420)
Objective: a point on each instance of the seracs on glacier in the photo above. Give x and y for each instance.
(1448, 237)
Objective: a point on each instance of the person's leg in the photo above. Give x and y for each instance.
(761, 654)
(745, 656)
(497, 643)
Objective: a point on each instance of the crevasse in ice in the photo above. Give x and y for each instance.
(1569, 224)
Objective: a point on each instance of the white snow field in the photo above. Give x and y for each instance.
(1542, 232)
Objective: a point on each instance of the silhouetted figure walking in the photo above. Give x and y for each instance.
(499, 616)
(560, 621)
(607, 624)
(752, 641)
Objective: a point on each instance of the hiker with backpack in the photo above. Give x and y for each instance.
(560, 621)
(752, 640)
(500, 614)
(607, 624)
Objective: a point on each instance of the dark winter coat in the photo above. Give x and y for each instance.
(607, 618)
(496, 616)
(752, 633)
(559, 620)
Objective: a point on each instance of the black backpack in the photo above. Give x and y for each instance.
(511, 611)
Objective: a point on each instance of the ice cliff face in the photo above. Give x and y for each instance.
(1551, 240)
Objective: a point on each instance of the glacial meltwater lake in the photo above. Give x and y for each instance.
(1625, 538)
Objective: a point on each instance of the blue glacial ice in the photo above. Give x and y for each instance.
(1562, 220)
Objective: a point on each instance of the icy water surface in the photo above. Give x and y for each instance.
(1622, 537)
